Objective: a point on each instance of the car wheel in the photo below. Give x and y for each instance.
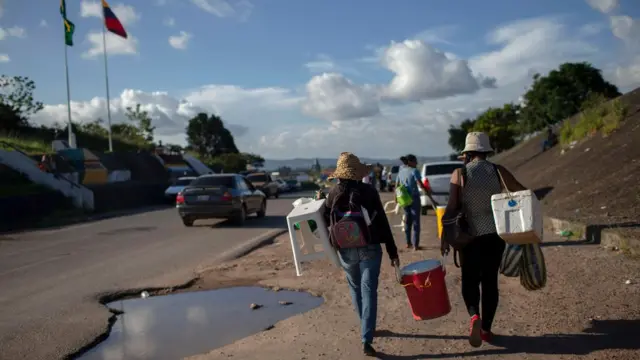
(424, 210)
(241, 217)
(187, 221)
(263, 209)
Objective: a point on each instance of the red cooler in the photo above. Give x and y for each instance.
(426, 289)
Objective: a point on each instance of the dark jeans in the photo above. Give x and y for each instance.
(412, 220)
(480, 265)
(362, 266)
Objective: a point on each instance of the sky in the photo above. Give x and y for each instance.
(301, 78)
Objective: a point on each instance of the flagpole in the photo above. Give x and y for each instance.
(106, 80)
(71, 138)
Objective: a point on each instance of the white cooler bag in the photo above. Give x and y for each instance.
(518, 217)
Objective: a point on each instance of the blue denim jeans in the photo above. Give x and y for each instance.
(362, 266)
(412, 220)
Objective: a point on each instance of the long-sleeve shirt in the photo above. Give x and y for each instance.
(380, 229)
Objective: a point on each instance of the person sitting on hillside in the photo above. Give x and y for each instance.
(551, 140)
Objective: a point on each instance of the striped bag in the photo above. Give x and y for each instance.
(511, 259)
(533, 271)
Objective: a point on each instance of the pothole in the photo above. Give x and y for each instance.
(185, 324)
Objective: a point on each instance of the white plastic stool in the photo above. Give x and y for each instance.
(301, 214)
(394, 211)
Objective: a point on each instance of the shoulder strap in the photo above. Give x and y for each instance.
(503, 185)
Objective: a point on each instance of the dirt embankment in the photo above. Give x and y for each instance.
(585, 312)
(596, 182)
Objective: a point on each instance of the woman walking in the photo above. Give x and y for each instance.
(361, 262)
(471, 189)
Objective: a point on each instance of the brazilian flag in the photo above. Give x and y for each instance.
(69, 27)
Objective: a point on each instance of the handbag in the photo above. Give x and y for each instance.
(511, 259)
(533, 270)
(455, 229)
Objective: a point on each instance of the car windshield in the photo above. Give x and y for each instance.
(183, 182)
(214, 181)
(257, 177)
(442, 169)
(395, 169)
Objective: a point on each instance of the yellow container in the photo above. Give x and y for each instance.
(439, 215)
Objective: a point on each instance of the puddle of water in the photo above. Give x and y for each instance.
(186, 324)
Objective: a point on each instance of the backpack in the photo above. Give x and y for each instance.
(533, 271)
(349, 228)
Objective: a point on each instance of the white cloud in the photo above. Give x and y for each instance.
(529, 46)
(116, 45)
(43, 23)
(323, 63)
(181, 41)
(126, 13)
(604, 6)
(15, 31)
(438, 35)
(240, 9)
(628, 76)
(170, 22)
(424, 72)
(627, 29)
(592, 29)
(333, 97)
(4, 58)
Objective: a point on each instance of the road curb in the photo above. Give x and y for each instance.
(251, 245)
(606, 236)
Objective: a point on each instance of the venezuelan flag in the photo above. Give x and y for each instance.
(111, 22)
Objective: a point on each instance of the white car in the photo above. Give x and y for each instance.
(178, 186)
(282, 185)
(437, 176)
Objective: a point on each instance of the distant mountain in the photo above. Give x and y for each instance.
(299, 163)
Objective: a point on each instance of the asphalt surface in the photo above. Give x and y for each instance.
(50, 280)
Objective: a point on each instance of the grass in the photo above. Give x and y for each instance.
(29, 146)
(597, 115)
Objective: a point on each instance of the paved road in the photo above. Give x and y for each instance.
(50, 279)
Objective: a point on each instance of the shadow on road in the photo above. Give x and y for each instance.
(602, 335)
(542, 192)
(269, 221)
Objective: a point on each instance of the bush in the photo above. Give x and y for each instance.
(597, 114)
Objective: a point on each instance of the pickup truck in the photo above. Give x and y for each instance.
(437, 176)
(263, 182)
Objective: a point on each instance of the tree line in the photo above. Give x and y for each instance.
(207, 137)
(552, 98)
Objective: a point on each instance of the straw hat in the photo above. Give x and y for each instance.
(349, 167)
(477, 142)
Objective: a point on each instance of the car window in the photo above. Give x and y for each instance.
(241, 184)
(249, 184)
(441, 169)
(183, 182)
(395, 169)
(258, 177)
(227, 181)
(292, 181)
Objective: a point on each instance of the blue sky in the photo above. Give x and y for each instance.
(260, 64)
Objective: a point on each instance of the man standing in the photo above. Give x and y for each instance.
(409, 177)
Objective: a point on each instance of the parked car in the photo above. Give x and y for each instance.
(294, 185)
(282, 186)
(437, 176)
(263, 181)
(392, 176)
(213, 196)
(178, 186)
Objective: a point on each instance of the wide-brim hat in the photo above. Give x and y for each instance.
(477, 142)
(349, 167)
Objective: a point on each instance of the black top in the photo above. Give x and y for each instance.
(380, 229)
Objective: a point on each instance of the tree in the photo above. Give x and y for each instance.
(560, 94)
(16, 101)
(142, 122)
(500, 124)
(208, 137)
(284, 170)
(128, 132)
(254, 159)
(95, 127)
(229, 162)
(458, 134)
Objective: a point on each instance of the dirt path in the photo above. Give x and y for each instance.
(585, 312)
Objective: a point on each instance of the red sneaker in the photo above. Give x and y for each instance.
(487, 336)
(475, 331)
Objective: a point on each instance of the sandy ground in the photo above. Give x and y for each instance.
(586, 310)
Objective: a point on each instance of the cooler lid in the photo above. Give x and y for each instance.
(420, 267)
